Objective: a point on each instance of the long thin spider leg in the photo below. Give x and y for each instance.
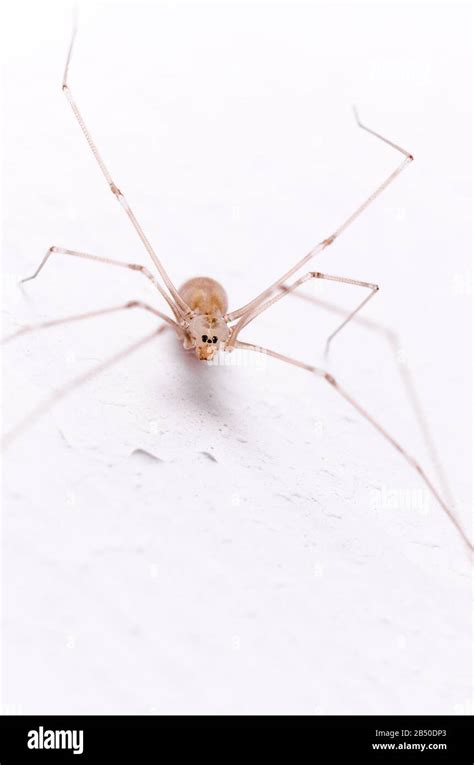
(247, 318)
(63, 391)
(330, 239)
(377, 135)
(181, 306)
(350, 400)
(88, 315)
(407, 381)
(347, 320)
(99, 259)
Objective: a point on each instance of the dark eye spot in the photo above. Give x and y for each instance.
(204, 338)
(209, 340)
(214, 339)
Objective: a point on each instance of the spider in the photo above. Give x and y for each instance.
(199, 309)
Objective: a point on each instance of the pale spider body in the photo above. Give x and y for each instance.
(206, 331)
(202, 322)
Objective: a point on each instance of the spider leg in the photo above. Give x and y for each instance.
(57, 395)
(98, 259)
(406, 377)
(181, 306)
(89, 315)
(253, 313)
(375, 424)
(64, 390)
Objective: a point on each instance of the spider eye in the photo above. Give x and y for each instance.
(214, 339)
(204, 338)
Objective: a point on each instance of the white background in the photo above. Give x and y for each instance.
(255, 566)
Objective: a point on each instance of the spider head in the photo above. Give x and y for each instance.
(207, 334)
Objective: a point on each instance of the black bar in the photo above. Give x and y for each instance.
(318, 739)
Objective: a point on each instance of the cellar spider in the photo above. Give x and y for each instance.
(200, 315)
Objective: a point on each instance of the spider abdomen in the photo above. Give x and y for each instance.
(204, 296)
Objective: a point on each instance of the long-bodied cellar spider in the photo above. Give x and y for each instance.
(199, 309)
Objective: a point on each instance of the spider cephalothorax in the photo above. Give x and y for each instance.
(206, 334)
(207, 330)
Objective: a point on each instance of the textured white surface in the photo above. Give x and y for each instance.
(256, 564)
